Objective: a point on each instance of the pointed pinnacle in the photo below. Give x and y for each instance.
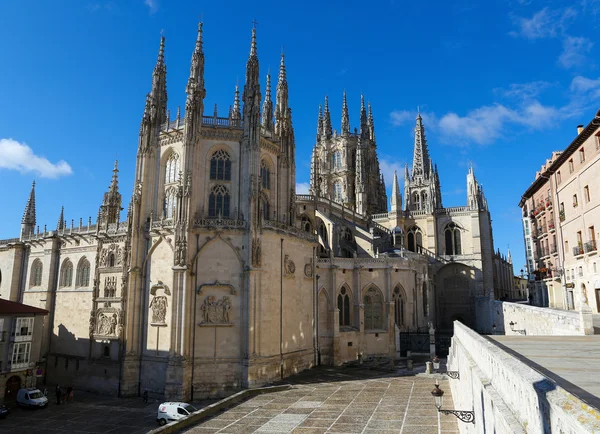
(199, 39)
(326, 104)
(362, 102)
(61, 219)
(29, 214)
(253, 43)
(268, 91)
(161, 51)
(370, 114)
(282, 72)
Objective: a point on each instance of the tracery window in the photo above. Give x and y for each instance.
(83, 273)
(36, 273)
(264, 206)
(373, 301)
(336, 160)
(66, 273)
(265, 175)
(218, 202)
(170, 202)
(399, 303)
(172, 168)
(220, 166)
(343, 303)
(305, 223)
(452, 237)
(414, 238)
(346, 234)
(337, 191)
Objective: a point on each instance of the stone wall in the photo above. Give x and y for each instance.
(539, 321)
(508, 396)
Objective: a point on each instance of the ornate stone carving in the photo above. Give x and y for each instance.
(115, 250)
(289, 268)
(217, 284)
(159, 304)
(180, 251)
(256, 252)
(216, 311)
(137, 192)
(308, 269)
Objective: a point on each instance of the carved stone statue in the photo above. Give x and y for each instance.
(289, 267)
(216, 311)
(159, 303)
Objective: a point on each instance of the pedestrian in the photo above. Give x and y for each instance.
(58, 394)
(145, 395)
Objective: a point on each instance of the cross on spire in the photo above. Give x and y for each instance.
(254, 23)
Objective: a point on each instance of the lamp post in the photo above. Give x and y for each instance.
(438, 396)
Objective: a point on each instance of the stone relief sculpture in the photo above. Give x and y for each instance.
(289, 267)
(105, 255)
(308, 269)
(106, 322)
(180, 251)
(159, 304)
(216, 311)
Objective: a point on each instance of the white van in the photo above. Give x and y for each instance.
(170, 411)
(31, 397)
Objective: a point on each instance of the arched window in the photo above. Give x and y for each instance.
(305, 224)
(220, 166)
(343, 302)
(265, 175)
(218, 202)
(373, 301)
(399, 302)
(336, 160)
(36, 273)
(347, 234)
(337, 191)
(423, 199)
(452, 238)
(264, 206)
(83, 273)
(415, 238)
(110, 260)
(170, 202)
(66, 273)
(416, 201)
(172, 168)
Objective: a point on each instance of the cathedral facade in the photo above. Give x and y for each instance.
(221, 277)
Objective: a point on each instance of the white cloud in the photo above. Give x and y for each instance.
(523, 91)
(388, 165)
(302, 187)
(400, 117)
(19, 156)
(583, 85)
(547, 23)
(152, 5)
(574, 51)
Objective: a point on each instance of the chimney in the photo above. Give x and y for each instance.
(579, 129)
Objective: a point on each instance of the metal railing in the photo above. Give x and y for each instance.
(577, 250)
(590, 246)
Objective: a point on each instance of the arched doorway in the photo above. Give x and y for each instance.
(13, 384)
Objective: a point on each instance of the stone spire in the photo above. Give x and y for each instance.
(421, 161)
(327, 128)
(282, 103)
(236, 113)
(363, 118)
(360, 179)
(371, 124)
(158, 93)
(314, 172)
(267, 108)
(320, 123)
(252, 63)
(197, 64)
(396, 196)
(60, 225)
(111, 203)
(345, 117)
(509, 256)
(28, 221)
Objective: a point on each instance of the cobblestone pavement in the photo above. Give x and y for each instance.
(89, 413)
(343, 403)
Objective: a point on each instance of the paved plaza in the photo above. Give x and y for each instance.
(339, 401)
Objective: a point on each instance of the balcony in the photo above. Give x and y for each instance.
(590, 246)
(577, 250)
(548, 203)
(561, 216)
(551, 226)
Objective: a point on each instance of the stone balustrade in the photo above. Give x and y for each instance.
(507, 395)
(539, 321)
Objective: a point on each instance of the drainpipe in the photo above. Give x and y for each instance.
(281, 311)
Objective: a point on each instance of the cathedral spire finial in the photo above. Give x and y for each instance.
(396, 196)
(60, 225)
(29, 213)
(253, 42)
(267, 108)
(282, 99)
(327, 128)
(371, 123)
(363, 117)
(345, 116)
(421, 160)
(320, 123)
(236, 113)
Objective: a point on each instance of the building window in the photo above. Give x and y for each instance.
(83, 273)
(21, 352)
(586, 193)
(36, 273)
(265, 175)
(24, 327)
(264, 204)
(582, 155)
(305, 224)
(336, 160)
(220, 166)
(343, 302)
(66, 273)
(414, 238)
(571, 166)
(558, 179)
(373, 301)
(398, 307)
(172, 168)
(170, 202)
(575, 201)
(337, 192)
(218, 202)
(452, 236)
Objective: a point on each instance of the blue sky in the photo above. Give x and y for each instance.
(500, 84)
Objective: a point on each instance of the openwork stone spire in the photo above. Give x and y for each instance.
(236, 113)
(29, 214)
(421, 161)
(111, 203)
(363, 117)
(396, 196)
(371, 124)
(327, 128)
(320, 123)
(158, 95)
(60, 225)
(282, 103)
(267, 109)
(345, 116)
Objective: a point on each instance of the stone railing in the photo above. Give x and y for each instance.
(539, 321)
(9, 241)
(272, 224)
(508, 396)
(219, 222)
(453, 210)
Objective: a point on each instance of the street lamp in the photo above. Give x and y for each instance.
(436, 365)
(438, 396)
